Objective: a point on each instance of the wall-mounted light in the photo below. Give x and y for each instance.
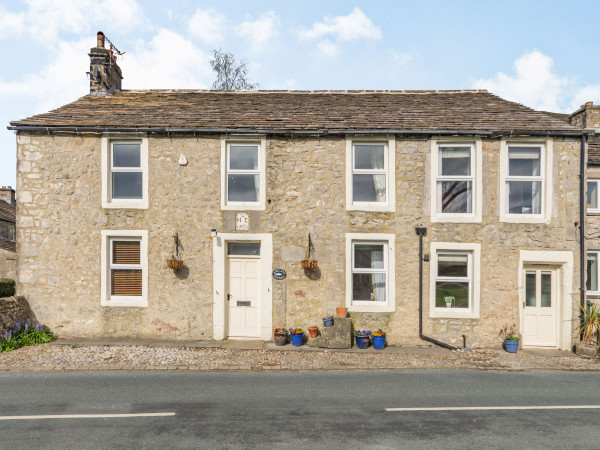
(213, 234)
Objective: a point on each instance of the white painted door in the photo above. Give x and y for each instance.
(243, 291)
(540, 328)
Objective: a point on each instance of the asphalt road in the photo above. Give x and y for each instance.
(299, 410)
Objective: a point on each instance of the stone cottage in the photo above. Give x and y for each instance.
(8, 247)
(246, 180)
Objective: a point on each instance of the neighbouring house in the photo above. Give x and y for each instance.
(8, 247)
(588, 117)
(246, 179)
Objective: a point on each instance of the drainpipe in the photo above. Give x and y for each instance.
(422, 231)
(582, 254)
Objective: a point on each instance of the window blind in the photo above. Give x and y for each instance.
(126, 281)
(126, 252)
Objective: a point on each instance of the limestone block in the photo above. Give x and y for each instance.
(337, 336)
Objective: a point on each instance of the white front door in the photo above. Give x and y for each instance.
(540, 327)
(243, 289)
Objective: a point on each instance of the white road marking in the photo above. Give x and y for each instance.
(87, 416)
(492, 408)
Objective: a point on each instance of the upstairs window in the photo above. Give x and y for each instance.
(455, 180)
(592, 196)
(243, 179)
(524, 181)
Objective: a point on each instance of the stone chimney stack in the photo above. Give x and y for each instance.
(105, 74)
(588, 116)
(8, 195)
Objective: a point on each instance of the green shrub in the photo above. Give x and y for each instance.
(7, 287)
(24, 333)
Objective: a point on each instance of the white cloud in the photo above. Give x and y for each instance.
(207, 25)
(260, 31)
(328, 48)
(585, 94)
(355, 25)
(534, 83)
(400, 58)
(167, 61)
(45, 20)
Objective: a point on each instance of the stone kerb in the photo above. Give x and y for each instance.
(13, 310)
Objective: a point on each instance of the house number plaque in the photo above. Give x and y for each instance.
(242, 221)
(279, 274)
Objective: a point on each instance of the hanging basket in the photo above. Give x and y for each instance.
(308, 264)
(174, 263)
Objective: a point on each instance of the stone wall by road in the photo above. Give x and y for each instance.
(59, 219)
(13, 310)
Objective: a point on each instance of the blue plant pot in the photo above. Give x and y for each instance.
(362, 341)
(378, 342)
(328, 322)
(297, 339)
(511, 346)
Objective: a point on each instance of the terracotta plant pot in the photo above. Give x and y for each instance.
(341, 312)
(314, 331)
(174, 263)
(280, 339)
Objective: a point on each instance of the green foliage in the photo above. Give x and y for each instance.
(7, 287)
(25, 333)
(231, 75)
(510, 333)
(590, 328)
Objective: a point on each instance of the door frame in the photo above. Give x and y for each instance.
(219, 282)
(562, 262)
(555, 300)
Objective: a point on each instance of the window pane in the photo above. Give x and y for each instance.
(530, 289)
(368, 287)
(127, 155)
(126, 282)
(369, 188)
(242, 188)
(127, 185)
(369, 157)
(524, 161)
(126, 252)
(460, 292)
(592, 272)
(455, 161)
(524, 197)
(450, 265)
(455, 196)
(592, 194)
(368, 256)
(243, 248)
(546, 290)
(243, 157)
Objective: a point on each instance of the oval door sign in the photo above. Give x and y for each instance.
(279, 274)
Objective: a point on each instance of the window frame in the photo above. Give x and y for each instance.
(389, 263)
(546, 156)
(597, 209)
(107, 171)
(590, 291)
(261, 143)
(390, 169)
(476, 176)
(107, 237)
(473, 266)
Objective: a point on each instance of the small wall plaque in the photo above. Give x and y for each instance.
(279, 274)
(242, 221)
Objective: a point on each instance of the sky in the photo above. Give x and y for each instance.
(542, 54)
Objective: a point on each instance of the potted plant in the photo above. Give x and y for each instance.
(309, 263)
(378, 339)
(175, 261)
(511, 338)
(449, 301)
(328, 321)
(362, 338)
(280, 335)
(313, 330)
(589, 331)
(297, 336)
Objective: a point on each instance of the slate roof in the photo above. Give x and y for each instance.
(594, 149)
(472, 110)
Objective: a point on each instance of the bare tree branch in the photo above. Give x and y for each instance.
(231, 76)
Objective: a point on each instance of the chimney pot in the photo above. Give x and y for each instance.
(589, 103)
(100, 39)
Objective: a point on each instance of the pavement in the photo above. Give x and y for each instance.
(142, 354)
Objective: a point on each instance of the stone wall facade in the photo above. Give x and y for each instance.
(60, 217)
(12, 311)
(8, 264)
